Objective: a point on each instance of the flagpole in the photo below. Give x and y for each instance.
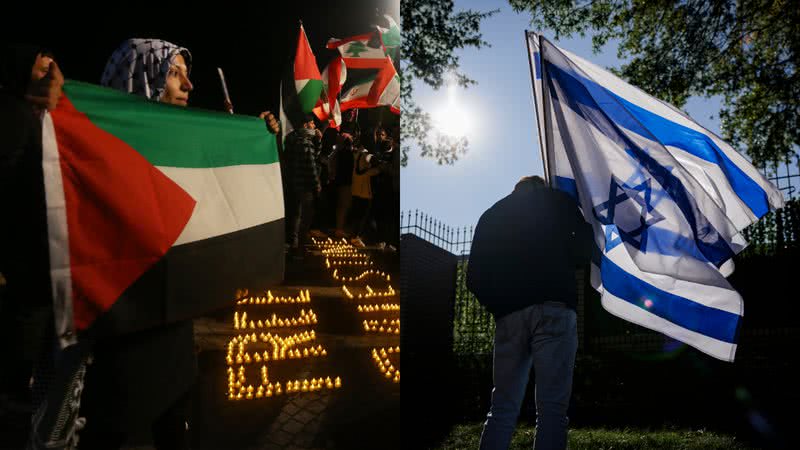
(229, 105)
(542, 146)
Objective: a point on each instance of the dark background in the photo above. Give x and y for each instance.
(252, 43)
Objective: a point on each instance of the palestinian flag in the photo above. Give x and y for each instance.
(156, 213)
(372, 78)
(301, 88)
(333, 77)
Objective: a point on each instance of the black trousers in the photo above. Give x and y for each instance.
(301, 215)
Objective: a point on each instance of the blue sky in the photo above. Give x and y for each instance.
(502, 123)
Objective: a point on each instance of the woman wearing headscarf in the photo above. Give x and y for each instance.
(144, 378)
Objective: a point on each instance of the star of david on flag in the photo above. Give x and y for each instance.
(638, 199)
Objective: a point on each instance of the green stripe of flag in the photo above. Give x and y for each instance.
(309, 95)
(173, 136)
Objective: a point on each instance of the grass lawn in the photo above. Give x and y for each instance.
(465, 437)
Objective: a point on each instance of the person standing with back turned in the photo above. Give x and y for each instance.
(522, 269)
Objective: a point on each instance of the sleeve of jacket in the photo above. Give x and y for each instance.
(311, 165)
(476, 275)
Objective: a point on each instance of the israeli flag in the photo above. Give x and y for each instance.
(666, 198)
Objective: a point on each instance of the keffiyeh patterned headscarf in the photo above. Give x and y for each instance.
(140, 66)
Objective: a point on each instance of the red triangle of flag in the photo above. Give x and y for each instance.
(123, 214)
(305, 66)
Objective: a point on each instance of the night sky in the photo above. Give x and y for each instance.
(252, 44)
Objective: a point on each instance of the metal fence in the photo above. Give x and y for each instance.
(473, 326)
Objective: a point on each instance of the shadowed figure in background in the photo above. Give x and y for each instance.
(522, 269)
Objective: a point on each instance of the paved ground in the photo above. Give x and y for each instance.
(363, 413)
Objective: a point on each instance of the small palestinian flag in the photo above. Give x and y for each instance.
(300, 88)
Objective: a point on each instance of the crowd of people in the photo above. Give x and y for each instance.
(342, 183)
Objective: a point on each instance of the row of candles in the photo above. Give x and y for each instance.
(304, 297)
(371, 293)
(379, 307)
(363, 275)
(269, 389)
(282, 348)
(391, 328)
(329, 264)
(305, 318)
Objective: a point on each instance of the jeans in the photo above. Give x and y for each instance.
(543, 336)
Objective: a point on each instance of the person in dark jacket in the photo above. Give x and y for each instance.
(302, 148)
(343, 176)
(521, 267)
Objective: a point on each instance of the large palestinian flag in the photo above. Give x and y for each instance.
(156, 213)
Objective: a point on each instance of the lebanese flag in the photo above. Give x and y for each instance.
(333, 77)
(372, 79)
(155, 213)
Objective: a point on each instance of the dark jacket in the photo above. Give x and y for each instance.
(525, 250)
(302, 147)
(344, 162)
